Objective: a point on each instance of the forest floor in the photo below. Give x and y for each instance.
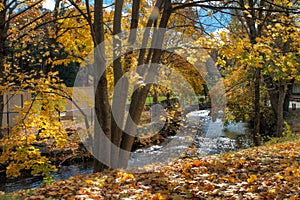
(271, 171)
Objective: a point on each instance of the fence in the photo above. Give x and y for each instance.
(79, 108)
(13, 100)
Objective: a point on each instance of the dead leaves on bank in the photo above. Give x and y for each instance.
(268, 172)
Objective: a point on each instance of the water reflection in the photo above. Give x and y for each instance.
(65, 172)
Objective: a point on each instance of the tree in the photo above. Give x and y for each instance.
(26, 54)
(264, 45)
(36, 118)
(20, 22)
(102, 23)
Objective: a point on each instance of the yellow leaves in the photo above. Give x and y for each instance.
(47, 82)
(228, 179)
(124, 177)
(279, 177)
(221, 62)
(1, 6)
(272, 191)
(75, 37)
(223, 36)
(278, 25)
(158, 196)
(266, 172)
(60, 21)
(47, 53)
(13, 169)
(284, 69)
(290, 4)
(267, 54)
(291, 154)
(38, 114)
(247, 13)
(31, 138)
(89, 182)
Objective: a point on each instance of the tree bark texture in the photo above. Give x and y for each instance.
(102, 107)
(3, 33)
(140, 95)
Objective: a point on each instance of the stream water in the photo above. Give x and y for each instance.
(210, 138)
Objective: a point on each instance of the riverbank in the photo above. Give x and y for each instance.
(75, 151)
(74, 158)
(271, 171)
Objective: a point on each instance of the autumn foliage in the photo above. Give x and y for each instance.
(257, 55)
(37, 118)
(267, 172)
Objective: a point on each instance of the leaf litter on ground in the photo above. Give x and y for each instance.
(266, 172)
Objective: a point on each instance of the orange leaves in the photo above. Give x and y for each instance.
(89, 182)
(209, 186)
(196, 163)
(293, 170)
(158, 196)
(227, 179)
(266, 172)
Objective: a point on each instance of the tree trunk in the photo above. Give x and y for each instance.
(102, 107)
(286, 103)
(3, 32)
(254, 32)
(140, 95)
(120, 93)
(134, 21)
(273, 93)
(280, 115)
(279, 97)
(257, 116)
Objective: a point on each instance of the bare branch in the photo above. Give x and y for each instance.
(23, 11)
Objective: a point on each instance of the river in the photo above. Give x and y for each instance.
(210, 138)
